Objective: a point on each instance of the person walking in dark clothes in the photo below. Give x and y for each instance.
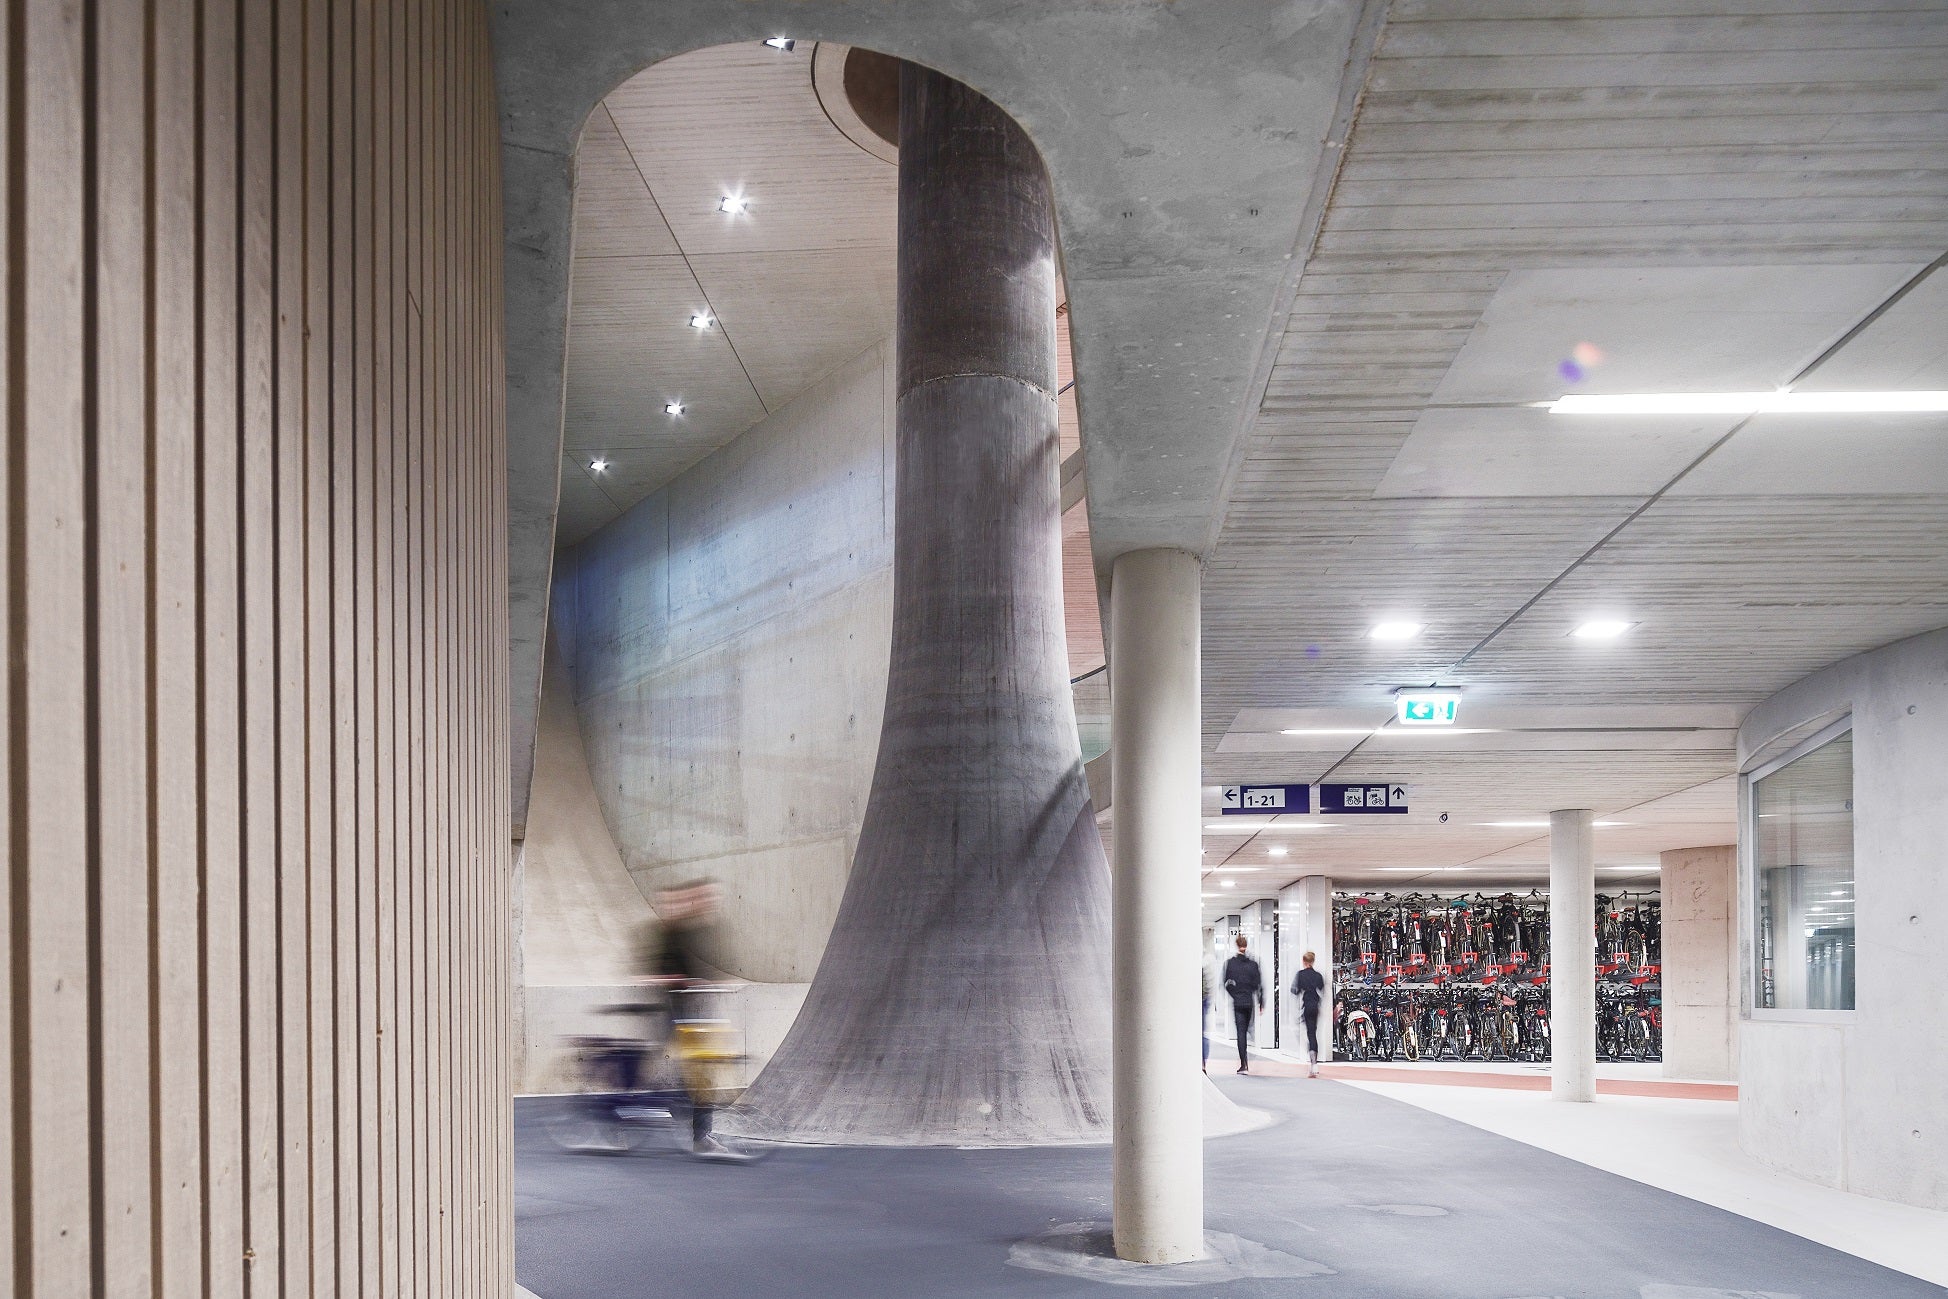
(1310, 985)
(1246, 985)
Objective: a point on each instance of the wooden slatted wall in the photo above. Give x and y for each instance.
(256, 912)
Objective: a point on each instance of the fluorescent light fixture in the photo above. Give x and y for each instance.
(598, 466)
(1279, 850)
(1395, 630)
(1601, 629)
(1418, 870)
(1244, 827)
(701, 320)
(783, 43)
(733, 204)
(673, 408)
(1227, 884)
(1537, 825)
(1749, 403)
(1426, 707)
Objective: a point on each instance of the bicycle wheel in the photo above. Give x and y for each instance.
(1410, 1044)
(587, 1125)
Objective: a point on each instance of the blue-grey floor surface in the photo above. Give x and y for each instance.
(1395, 1201)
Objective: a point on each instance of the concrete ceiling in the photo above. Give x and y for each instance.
(1315, 293)
(1718, 200)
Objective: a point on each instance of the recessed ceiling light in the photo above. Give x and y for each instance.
(1748, 403)
(780, 43)
(673, 408)
(1601, 629)
(701, 320)
(1226, 884)
(733, 204)
(1395, 630)
(598, 466)
(1279, 850)
(1418, 870)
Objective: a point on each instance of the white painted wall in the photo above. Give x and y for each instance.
(1859, 1099)
(1699, 892)
(729, 640)
(1305, 925)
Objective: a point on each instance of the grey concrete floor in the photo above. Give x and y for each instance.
(1396, 1201)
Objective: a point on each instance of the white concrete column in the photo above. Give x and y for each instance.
(1698, 890)
(1156, 752)
(1305, 925)
(1572, 955)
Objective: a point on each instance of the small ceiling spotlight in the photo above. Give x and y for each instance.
(1601, 629)
(1227, 884)
(673, 408)
(1395, 630)
(1279, 850)
(702, 320)
(782, 44)
(598, 466)
(733, 204)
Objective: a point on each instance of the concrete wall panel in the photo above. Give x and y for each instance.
(1882, 1068)
(256, 612)
(729, 641)
(1699, 888)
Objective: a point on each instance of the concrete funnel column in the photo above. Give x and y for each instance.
(963, 997)
(1155, 757)
(1572, 955)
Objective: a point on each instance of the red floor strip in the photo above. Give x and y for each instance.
(1436, 1077)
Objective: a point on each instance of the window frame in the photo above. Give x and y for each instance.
(1748, 869)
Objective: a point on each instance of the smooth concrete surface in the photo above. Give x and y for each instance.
(1572, 955)
(1698, 891)
(578, 917)
(1394, 1200)
(1155, 715)
(1691, 1148)
(728, 645)
(1859, 1099)
(1305, 925)
(1187, 201)
(963, 996)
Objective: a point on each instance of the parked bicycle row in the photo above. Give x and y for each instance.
(1436, 938)
(1502, 1020)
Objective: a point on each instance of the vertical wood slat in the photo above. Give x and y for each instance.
(255, 886)
(51, 823)
(119, 521)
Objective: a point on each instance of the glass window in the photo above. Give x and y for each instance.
(1802, 861)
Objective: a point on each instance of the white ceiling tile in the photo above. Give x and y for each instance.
(1523, 451)
(1661, 329)
(1816, 455)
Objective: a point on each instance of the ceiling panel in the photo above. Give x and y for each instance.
(1523, 451)
(1661, 329)
(744, 120)
(835, 298)
(615, 214)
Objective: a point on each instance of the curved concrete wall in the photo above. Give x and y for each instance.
(728, 644)
(1859, 1099)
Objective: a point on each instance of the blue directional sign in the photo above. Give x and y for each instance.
(1265, 800)
(1363, 800)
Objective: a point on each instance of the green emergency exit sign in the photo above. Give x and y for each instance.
(1427, 707)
